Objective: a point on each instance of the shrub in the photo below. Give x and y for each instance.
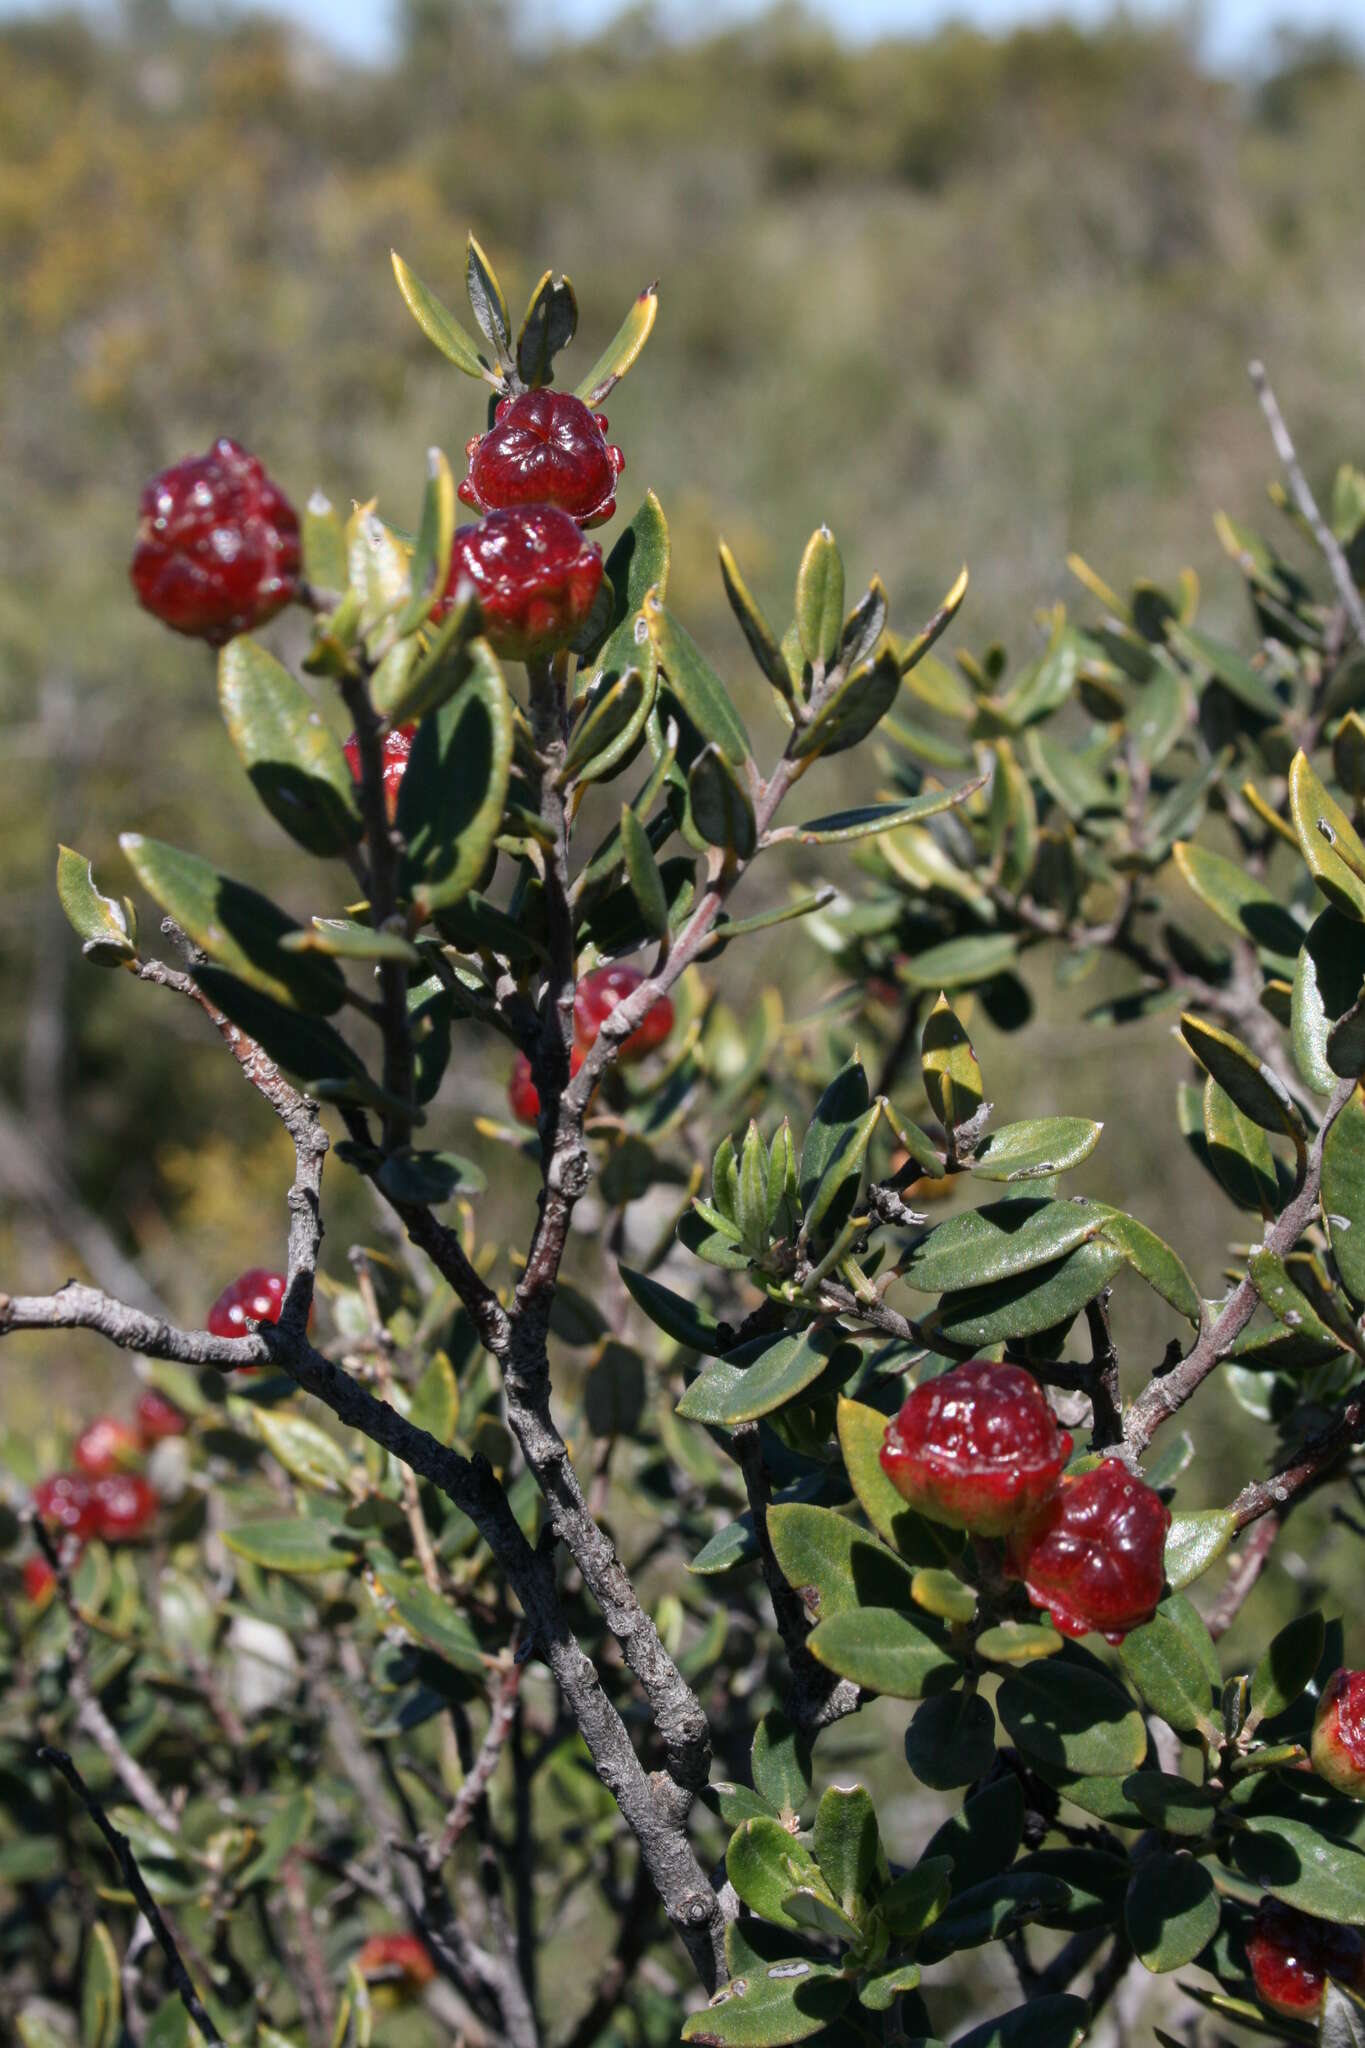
(465, 1669)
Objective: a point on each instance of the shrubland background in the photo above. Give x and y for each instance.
(969, 299)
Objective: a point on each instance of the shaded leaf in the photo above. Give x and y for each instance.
(884, 1651)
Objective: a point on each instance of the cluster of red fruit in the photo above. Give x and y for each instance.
(103, 1496)
(980, 1449)
(597, 996)
(218, 550)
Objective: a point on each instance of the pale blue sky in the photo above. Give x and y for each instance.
(1232, 30)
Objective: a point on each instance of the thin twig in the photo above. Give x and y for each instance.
(1330, 547)
(59, 1761)
(502, 1710)
(1246, 1567)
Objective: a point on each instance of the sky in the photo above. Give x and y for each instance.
(1232, 30)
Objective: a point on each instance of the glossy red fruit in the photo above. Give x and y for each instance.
(217, 545)
(545, 448)
(123, 1505)
(66, 1502)
(396, 1954)
(522, 1094)
(534, 574)
(105, 1445)
(1339, 1733)
(158, 1418)
(600, 992)
(39, 1579)
(978, 1448)
(1292, 1955)
(256, 1296)
(397, 747)
(1095, 1553)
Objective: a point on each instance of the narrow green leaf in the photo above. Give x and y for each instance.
(1238, 1151)
(688, 1321)
(100, 922)
(642, 872)
(304, 1449)
(1241, 900)
(1327, 839)
(1196, 1539)
(487, 303)
(1287, 1667)
(951, 1740)
(1019, 1234)
(431, 554)
(1343, 1194)
(439, 324)
(820, 597)
(865, 820)
(1050, 2021)
(1153, 1258)
(611, 366)
(847, 1845)
(759, 634)
(765, 1863)
(612, 720)
(1257, 1091)
(961, 963)
(1170, 1676)
(695, 684)
(1227, 667)
(452, 796)
(550, 323)
(763, 1376)
(780, 1760)
(101, 1997)
(884, 1651)
(302, 1545)
(948, 1064)
(721, 806)
(1042, 1146)
(851, 711)
(779, 2002)
(433, 1621)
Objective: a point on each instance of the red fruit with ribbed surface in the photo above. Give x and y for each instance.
(535, 577)
(522, 1094)
(1095, 1553)
(66, 1502)
(1339, 1733)
(256, 1296)
(397, 747)
(218, 549)
(597, 996)
(1292, 1955)
(396, 1955)
(123, 1505)
(977, 1448)
(39, 1579)
(545, 448)
(158, 1418)
(105, 1445)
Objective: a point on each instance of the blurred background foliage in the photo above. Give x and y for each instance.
(965, 299)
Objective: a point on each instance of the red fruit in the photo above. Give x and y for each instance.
(217, 545)
(522, 1093)
(39, 1578)
(123, 1506)
(598, 996)
(1339, 1733)
(534, 575)
(403, 1954)
(105, 1446)
(256, 1297)
(1292, 1955)
(546, 448)
(66, 1502)
(1094, 1553)
(978, 1448)
(397, 747)
(157, 1418)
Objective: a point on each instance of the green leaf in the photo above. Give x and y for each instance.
(101, 2000)
(105, 927)
(1343, 1193)
(1172, 1804)
(1254, 1088)
(1070, 779)
(762, 640)
(837, 1191)
(951, 1740)
(883, 1651)
(1070, 1716)
(866, 819)
(1241, 900)
(880, 1991)
(1051, 2021)
(781, 1763)
(340, 938)
(695, 684)
(324, 545)
(914, 651)
(1169, 1674)
(304, 1046)
(299, 1546)
(851, 710)
(1153, 1258)
(642, 872)
(234, 925)
(811, 1909)
(1171, 1911)
(847, 1845)
(440, 325)
(763, 1376)
(820, 598)
(405, 690)
(1041, 1146)
(991, 1910)
(454, 791)
(728, 928)
(1095, 1879)
(961, 963)
(1287, 1302)
(839, 1111)
(304, 1449)
(431, 552)
(1239, 1152)
(433, 1621)
(686, 1321)
(984, 1834)
(764, 1864)
(721, 807)
(862, 1432)
(1227, 667)
(429, 1178)
(943, 1594)
(914, 1900)
(1017, 1642)
(550, 324)
(487, 303)
(638, 563)
(1196, 1539)
(1287, 1667)
(1027, 1303)
(287, 1827)
(1298, 1863)
(1342, 2024)
(781, 2002)
(952, 1077)
(436, 1400)
(611, 366)
(1327, 839)
(613, 716)
(823, 1553)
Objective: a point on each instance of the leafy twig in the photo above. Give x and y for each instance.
(1330, 547)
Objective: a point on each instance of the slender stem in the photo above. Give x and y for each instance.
(502, 1709)
(384, 846)
(1338, 567)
